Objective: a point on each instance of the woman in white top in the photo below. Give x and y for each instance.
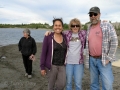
(74, 59)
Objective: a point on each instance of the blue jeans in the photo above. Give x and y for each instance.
(74, 71)
(98, 72)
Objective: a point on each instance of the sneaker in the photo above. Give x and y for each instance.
(26, 74)
(29, 76)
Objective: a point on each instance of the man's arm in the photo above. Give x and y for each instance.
(113, 43)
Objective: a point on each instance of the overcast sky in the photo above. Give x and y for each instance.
(35, 11)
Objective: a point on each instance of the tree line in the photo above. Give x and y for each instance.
(31, 25)
(36, 26)
(46, 26)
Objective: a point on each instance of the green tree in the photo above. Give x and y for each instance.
(85, 27)
(65, 26)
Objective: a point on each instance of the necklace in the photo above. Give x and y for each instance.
(58, 39)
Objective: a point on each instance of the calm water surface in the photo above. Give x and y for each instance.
(13, 35)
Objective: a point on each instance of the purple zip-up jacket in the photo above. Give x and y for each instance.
(82, 37)
(47, 51)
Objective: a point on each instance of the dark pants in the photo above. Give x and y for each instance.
(56, 78)
(27, 64)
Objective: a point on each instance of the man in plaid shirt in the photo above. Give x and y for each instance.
(101, 45)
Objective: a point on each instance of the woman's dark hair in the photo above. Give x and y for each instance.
(57, 19)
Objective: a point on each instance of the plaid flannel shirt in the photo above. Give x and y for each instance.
(109, 43)
(82, 37)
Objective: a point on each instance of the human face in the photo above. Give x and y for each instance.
(94, 18)
(57, 27)
(75, 27)
(25, 34)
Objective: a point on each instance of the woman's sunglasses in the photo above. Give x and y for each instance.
(75, 25)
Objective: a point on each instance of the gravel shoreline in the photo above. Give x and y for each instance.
(12, 72)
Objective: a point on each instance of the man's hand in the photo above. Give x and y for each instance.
(107, 61)
(105, 21)
(47, 33)
(43, 72)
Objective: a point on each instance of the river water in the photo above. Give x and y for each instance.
(13, 35)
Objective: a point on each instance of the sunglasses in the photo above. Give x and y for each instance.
(75, 25)
(91, 14)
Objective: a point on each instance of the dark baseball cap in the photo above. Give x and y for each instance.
(94, 10)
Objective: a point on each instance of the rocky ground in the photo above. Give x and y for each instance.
(12, 72)
(118, 34)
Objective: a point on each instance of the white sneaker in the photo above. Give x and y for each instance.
(26, 74)
(29, 76)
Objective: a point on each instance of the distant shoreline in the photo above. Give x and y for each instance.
(28, 28)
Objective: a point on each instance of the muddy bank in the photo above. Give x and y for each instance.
(12, 72)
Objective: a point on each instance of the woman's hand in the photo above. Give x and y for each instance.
(47, 33)
(32, 57)
(43, 72)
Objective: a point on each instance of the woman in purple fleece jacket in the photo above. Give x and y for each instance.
(53, 57)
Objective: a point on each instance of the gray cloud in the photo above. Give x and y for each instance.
(34, 11)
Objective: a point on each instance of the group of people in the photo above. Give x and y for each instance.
(62, 57)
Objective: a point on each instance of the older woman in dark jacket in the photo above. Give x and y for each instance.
(27, 46)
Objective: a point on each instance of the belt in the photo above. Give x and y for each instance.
(97, 57)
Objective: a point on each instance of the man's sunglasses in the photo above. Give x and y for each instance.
(75, 25)
(91, 14)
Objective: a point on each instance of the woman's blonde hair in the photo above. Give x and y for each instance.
(75, 20)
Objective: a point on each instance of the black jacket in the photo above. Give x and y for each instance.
(27, 46)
